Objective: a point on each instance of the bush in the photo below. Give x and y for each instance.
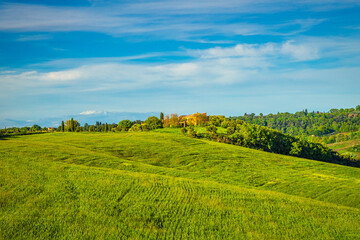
(191, 132)
(145, 127)
(263, 138)
(211, 129)
(125, 125)
(153, 123)
(135, 128)
(183, 131)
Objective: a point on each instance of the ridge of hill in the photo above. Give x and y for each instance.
(306, 123)
(160, 184)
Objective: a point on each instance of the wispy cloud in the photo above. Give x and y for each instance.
(244, 76)
(296, 52)
(187, 20)
(37, 37)
(219, 66)
(91, 112)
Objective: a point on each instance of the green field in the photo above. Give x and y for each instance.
(162, 185)
(347, 147)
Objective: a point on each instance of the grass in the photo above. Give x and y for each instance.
(160, 184)
(347, 147)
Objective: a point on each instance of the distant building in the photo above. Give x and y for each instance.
(195, 119)
(51, 129)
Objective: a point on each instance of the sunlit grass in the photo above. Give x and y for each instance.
(163, 185)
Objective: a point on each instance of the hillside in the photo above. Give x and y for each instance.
(349, 147)
(306, 123)
(161, 184)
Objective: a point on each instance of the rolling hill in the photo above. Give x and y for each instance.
(160, 184)
(347, 147)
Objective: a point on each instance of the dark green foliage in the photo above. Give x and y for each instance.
(153, 123)
(184, 131)
(211, 129)
(71, 125)
(62, 126)
(161, 116)
(35, 128)
(258, 137)
(230, 130)
(19, 131)
(191, 132)
(356, 148)
(125, 125)
(216, 120)
(309, 123)
(135, 128)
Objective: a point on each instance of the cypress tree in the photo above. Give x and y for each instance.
(72, 125)
(62, 126)
(162, 118)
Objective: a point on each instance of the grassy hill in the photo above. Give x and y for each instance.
(161, 184)
(351, 147)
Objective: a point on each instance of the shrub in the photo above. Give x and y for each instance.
(153, 123)
(183, 131)
(125, 125)
(135, 128)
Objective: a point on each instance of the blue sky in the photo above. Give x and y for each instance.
(221, 57)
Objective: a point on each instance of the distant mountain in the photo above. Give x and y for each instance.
(90, 117)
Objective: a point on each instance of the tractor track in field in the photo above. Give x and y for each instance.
(108, 155)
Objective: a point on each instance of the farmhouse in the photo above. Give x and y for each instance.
(195, 119)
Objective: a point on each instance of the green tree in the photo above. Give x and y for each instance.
(153, 123)
(71, 125)
(135, 128)
(296, 149)
(125, 125)
(211, 129)
(162, 118)
(35, 128)
(184, 131)
(62, 126)
(191, 132)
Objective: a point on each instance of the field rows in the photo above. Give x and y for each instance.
(78, 186)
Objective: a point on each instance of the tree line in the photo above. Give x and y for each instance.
(323, 125)
(238, 132)
(123, 126)
(241, 133)
(73, 125)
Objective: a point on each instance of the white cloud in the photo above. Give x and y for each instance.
(187, 20)
(297, 52)
(213, 67)
(7, 72)
(37, 37)
(91, 112)
(67, 75)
